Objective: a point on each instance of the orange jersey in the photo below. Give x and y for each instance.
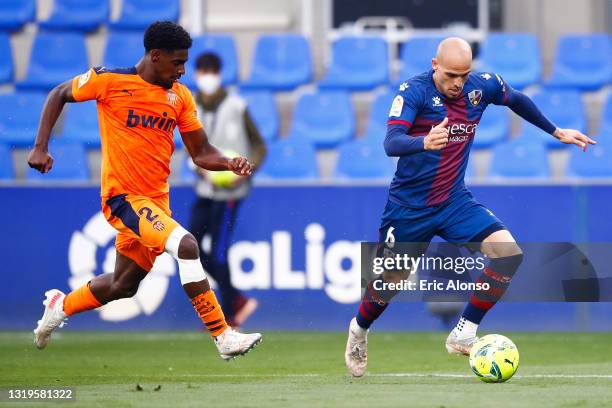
(137, 121)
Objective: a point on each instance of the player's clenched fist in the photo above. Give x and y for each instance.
(437, 137)
(40, 160)
(240, 166)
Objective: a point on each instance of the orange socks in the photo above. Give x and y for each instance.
(80, 300)
(210, 312)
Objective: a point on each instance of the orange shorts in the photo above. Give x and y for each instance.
(144, 225)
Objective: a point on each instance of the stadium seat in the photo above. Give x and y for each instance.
(221, 44)
(379, 115)
(516, 57)
(262, 108)
(416, 55)
(493, 127)
(282, 62)
(138, 14)
(519, 158)
(564, 108)
(69, 164)
(326, 118)
(363, 159)
(6, 59)
(6, 163)
(19, 119)
(582, 62)
(594, 163)
(291, 158)
(178, 140)
(81, 124)
(77, 15)
(606, 116)
(55, 58)
(15, 13)
(358, 64)
(123, 49)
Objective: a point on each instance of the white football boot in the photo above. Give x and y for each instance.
(53, 317)
(232, 344)
(356, 353)
(462, 338)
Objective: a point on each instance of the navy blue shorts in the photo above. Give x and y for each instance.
(460, 220)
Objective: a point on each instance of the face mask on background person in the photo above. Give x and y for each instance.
(208, 83)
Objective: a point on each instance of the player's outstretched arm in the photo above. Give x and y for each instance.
(39, 157)
(207, 156)
(523, 106)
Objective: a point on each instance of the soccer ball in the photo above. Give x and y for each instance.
(494, 358)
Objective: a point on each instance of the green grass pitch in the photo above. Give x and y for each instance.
(303, 370)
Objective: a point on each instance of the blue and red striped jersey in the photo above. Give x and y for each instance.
(427, 178)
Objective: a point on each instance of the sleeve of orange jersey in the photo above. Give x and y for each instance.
(89, 86)
(188, 117)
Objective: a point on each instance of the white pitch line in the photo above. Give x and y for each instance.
(389, 375)
(452, 375)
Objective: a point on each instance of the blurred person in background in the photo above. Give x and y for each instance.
(213, 215)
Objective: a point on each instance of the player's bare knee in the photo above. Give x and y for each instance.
(188, 248)
(502, 249)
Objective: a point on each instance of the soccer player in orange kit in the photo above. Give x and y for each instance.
(138, 109)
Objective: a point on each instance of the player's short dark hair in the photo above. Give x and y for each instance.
(208, 61)
(166, 35)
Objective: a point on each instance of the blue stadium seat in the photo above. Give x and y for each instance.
(69, 164)
(19, 119)
(55, 58)
(15, 13)
(519, 158)
(594, 163)
(363, 159)
(123, 49)
(358, 63)
(77, 15)
(282, 62)
(564, 108)
(138, 14)
(291, 158)
(262, 107)
(606, 116)
(493, 127)
(6, 59)
(326, 118)
(221, 44)
(416, 55)
(6, 163)
(582, 62)
(178, 140)
(516, 57)
(81, 124)
(379, 115)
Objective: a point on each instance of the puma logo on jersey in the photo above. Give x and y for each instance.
(149, 121)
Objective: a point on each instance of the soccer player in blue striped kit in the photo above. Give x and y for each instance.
(431, 127)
